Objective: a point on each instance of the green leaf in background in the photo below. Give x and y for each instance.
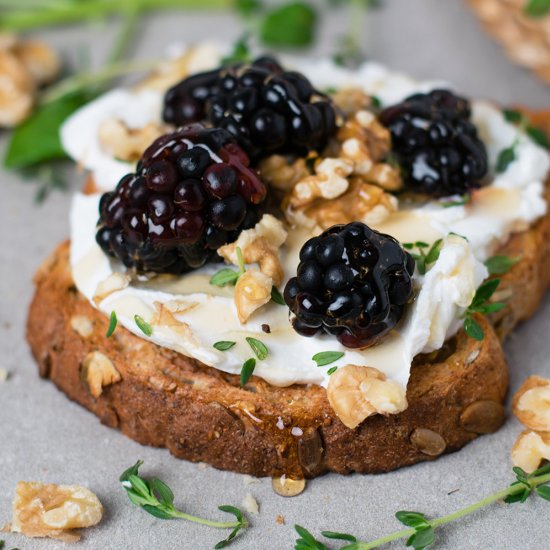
(240, 53)
(513, 116)
(247, 7)
(37, 139)
(537, 8)
(291, 24)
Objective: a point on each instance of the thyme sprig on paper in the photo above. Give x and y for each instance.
(156, 498)
(421, 531)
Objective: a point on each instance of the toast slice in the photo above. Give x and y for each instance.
(161, 398)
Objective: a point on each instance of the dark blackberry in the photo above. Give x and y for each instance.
(352, 282)
(193, 192)
(436, 144)
(266, 108)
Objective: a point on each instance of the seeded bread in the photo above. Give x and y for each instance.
(161, 398)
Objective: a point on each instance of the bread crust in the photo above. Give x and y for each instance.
(201, 414)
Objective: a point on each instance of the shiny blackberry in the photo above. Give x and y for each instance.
(266, 108)
(436, 144)
(352, 282)
(192, 192)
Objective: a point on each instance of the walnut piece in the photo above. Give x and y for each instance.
(281, 174)
(82, 325)
(17, 90)
(351, 100)
(114, 282)
(260, 245)
(252, 291)
(97, 372)
(328, 182)
(355, 393)
(165, 317)
(24, 66)
(362, 202)
(48, 510)
(125, 143)
(530, 449)
(531, 404)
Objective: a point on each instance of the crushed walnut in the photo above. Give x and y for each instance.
(97, 372)
(356, 392)
(260, 245)
(252, 291)
(24, 67)
(48, 510)
(128, 144)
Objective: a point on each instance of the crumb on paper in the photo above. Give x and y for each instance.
(249, 480)
(49, 510)
(280, 519)
(202, 465)
(3, 374)
(250, 504)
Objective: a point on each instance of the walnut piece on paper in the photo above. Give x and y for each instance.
(49, 510)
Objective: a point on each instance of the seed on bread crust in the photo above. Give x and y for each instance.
(428, 442)
(288, 487)
(483, 417)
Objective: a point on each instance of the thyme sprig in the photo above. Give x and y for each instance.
(157, 499)
(425, 255)
(420, 531)
(480, 304)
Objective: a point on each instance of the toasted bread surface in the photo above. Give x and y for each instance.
(201, 414)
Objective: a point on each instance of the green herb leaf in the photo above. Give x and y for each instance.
(277, 297)
(490, 308)
(162, 491)
(542, 471)
(291, 24)
(537, 8)
(258, 347)
(327, 357)
(37, 139)
(375, 101)
(423, 537)
(131, 471)
(433, 255)
(473, 329)
(412, 519)
(505, 157)
(513, 116)
(464, 199)
(112, 324)
(307, 541)
(160, 513)
(223, 345)
(538, 136)
(241, 51)
(497, 265)
(338, 536)
(544, 492)
(240, 260)
(242, 523)
(143, 325)
(247, 7)
(225, 277)
(247, 369)
(332, 370)
(483, 293)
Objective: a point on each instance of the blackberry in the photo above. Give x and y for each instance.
(192, 192)
(266, 108)
(352, 282)
(436, 144)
